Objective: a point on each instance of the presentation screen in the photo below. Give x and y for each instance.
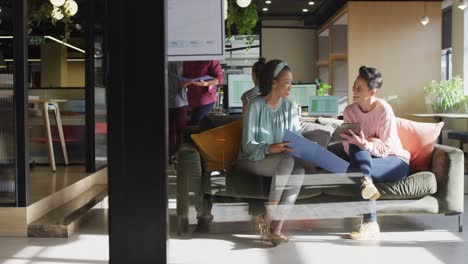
(191, 35)
(237, 85)
(300, 93)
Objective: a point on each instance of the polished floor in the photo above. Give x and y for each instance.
(405, 239)
(427, 239)
(44, 182)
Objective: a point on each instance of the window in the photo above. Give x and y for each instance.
(446, 64)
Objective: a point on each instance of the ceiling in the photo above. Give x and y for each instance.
(317, 14)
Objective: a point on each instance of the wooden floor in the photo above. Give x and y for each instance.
(44, 182)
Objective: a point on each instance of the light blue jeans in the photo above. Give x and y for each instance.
(388, 169)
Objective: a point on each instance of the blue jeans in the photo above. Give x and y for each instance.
(388, 169)
(199, 112)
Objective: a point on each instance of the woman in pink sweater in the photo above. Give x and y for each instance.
(377, 150)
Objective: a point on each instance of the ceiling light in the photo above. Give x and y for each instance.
(243, 3)
(305, 10)
(265, 9)
(57, 13)
(57, 2)
(311, 3)
(71, 6)
(64, 43)
(462, 4)
(424, 20)
(54, 39)
(267, 2)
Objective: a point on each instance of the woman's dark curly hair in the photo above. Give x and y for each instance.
(258, 66)
(372, 76)
(266, 77)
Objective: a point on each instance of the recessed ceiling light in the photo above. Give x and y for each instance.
(311, 3)
(268, 2)
(305, 10)
(265, 9)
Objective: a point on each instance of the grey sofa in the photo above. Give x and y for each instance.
(439, 191)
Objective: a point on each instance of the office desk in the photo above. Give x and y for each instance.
(46, 105)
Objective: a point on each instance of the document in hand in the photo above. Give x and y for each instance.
(203, 78)
(312, 152)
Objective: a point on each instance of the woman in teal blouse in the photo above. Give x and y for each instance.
(263, 151)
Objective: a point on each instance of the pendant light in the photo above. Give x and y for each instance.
(243, 3)
(424, 19)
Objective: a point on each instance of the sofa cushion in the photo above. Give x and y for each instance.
(318, 133)
(212, 121)
(334, 122)
(419, 139)
(219, 147)
(414, 186)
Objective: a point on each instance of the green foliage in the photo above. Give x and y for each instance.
(39, 11)
(244, 19)
(323, 87)
(445, 95)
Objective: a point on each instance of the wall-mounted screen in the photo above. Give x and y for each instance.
(192, 36)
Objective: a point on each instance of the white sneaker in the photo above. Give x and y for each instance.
(367, 231)
(369, 191)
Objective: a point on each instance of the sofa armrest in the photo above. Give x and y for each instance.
(189, 174)
(448, 167)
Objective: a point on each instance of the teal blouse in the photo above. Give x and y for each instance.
(263, 126)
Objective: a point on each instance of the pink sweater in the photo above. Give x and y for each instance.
(380, 129)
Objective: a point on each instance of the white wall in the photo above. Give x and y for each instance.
(388, 36)
(297, 46)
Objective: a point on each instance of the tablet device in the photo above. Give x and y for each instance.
(355, 127)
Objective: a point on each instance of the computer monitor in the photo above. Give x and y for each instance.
(300, 93)
(229, 71)
(237, 85)
(323, 105)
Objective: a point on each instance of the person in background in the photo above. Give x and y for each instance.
(202, 95)
(251, 94)
(263, 151)
(178, 106)
(377, 150)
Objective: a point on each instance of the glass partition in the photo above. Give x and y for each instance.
(100, 112)
(7, 115)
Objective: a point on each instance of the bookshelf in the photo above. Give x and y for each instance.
(332, 53)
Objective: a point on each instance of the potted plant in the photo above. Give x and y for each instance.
(445, 96)
(322, 87)
(44, 11)
(243, 18)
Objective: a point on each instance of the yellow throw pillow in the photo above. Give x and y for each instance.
(219, 147)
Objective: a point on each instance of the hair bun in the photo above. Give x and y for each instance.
(262, 60)
(372, 76)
